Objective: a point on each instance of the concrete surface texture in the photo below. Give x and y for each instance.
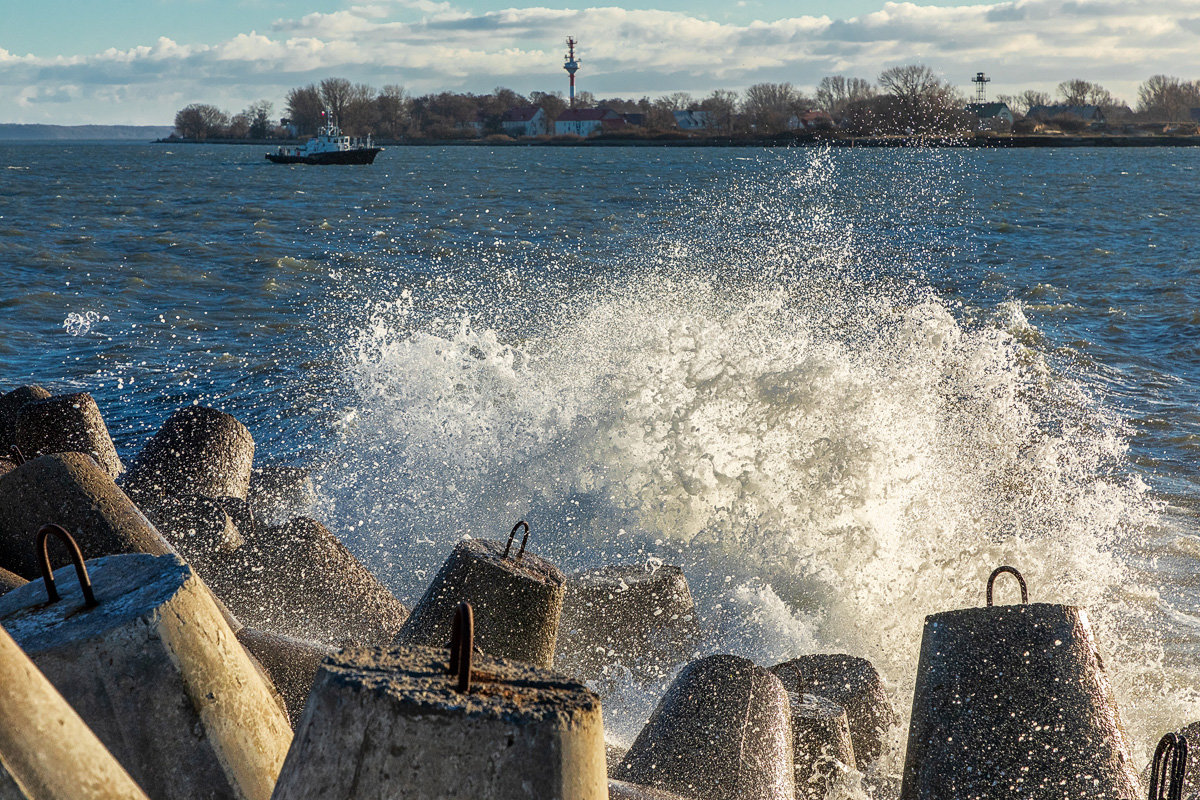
(157, 674)
(198, 450)
(391, 723)
(67, 423)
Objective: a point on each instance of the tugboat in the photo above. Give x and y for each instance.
(329, 146)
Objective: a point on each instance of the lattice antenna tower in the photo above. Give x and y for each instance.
(981, 81)
(572, 65)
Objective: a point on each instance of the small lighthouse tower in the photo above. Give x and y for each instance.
(981, 81)
(571, 66)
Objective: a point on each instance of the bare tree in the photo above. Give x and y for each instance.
(201, 121)
(259, 114)
(835, 92)
(720, 107)
(304, 108)
(770, 106)
(335, 95)
(916, 100)
(392, 110)
(1168, 99)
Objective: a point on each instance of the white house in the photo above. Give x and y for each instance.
(693, 120)
(525, 121)
(586, 121)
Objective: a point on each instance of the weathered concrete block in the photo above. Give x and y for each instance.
(7, 464)
(852, 683)
(300, 581)
(46, 750)
(198, 450)
(10, 581)
(382, 724)
(644, 619)
(291, 664)
(69, 489)
(1012, 701)
(67, 423)
(157, 674)
(821, 746)
(278, 493)
(517, 602)
(197, 527)
(11, 404)
(721, 732)
(620, 790)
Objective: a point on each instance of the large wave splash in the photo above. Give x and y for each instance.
(829, 466)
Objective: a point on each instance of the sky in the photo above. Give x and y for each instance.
(137, 62)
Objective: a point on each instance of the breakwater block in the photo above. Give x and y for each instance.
(517, 599)
(10, 581)
(393, 723)
(290, 663)
(620, 790)
(198, 450)
(67, 423)
(278, 493)
(156, 673)
(298, 580)
(69, 489)
(821, 746)
(199, 528)
(852, 683)
(642, 618)
(11, 404)
(46, 750)
(722, 731)
(1012, 701)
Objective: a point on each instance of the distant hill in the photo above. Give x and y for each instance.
(11, 132)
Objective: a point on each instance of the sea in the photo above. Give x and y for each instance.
(837, 386)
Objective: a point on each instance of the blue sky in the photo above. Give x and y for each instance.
(138, 61)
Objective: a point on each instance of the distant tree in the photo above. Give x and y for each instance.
(335, 96)
(552, 103)
(585, 100)
(201, 121)
(835, 92)
(720, 106)
(1078, 92)
(358, 116)
(1163, 98)
(770, 106)
(1021, 103)
(917, 100)
(304, 109)
(392, 111)
(239, 126)
(259, 114)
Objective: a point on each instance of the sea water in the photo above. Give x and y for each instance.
(837, 386)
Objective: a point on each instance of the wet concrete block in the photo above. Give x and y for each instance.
(1012, 701)
(643, 618)
(299, 580)
(383, 723)
(821, 746)
(620, 790)
(67, 423)
(11, 404)
(158, 675)
(46, 750)
(517, 603)
(10, 581)
(290, 663)
(722, 731)
(69, 489)
(852, 683)
(278, 493)
(198, 450)
(199, 528)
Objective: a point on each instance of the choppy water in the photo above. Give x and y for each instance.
(837, 386)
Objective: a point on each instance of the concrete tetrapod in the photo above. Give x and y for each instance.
(391, 724)
(198, 450)
(1012, 701)
(69, 489)
(67, 423)
(300, 581)
(721, 732)
(517, 601)
(156, 673)
(11, 404)
(10, 581)
(291, 664)
(278, 493)
(643, 618)
(197, 527)
(821, 747)
(46, 750)
(852, 683)
(620, 790)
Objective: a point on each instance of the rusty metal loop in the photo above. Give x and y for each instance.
(513, 534)
(462, 645)
(43, 549)
(1168, 768)
(17, 455)
(1011, 571)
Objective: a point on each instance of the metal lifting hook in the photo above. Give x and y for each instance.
(1168, 768)
(462, 644)
(1011, 571)
(512, 535)
(43, 546)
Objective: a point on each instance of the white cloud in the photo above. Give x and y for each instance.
(428, 45)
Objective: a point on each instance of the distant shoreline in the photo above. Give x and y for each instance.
(993, 141)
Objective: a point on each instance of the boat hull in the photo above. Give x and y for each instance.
(363, 155)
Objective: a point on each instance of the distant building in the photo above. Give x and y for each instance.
(813, 120)
(586, 121)
(991, 115)
(636, 118)
(1092, 114)
(693, 120)
(1194, 114)
(525, 121)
